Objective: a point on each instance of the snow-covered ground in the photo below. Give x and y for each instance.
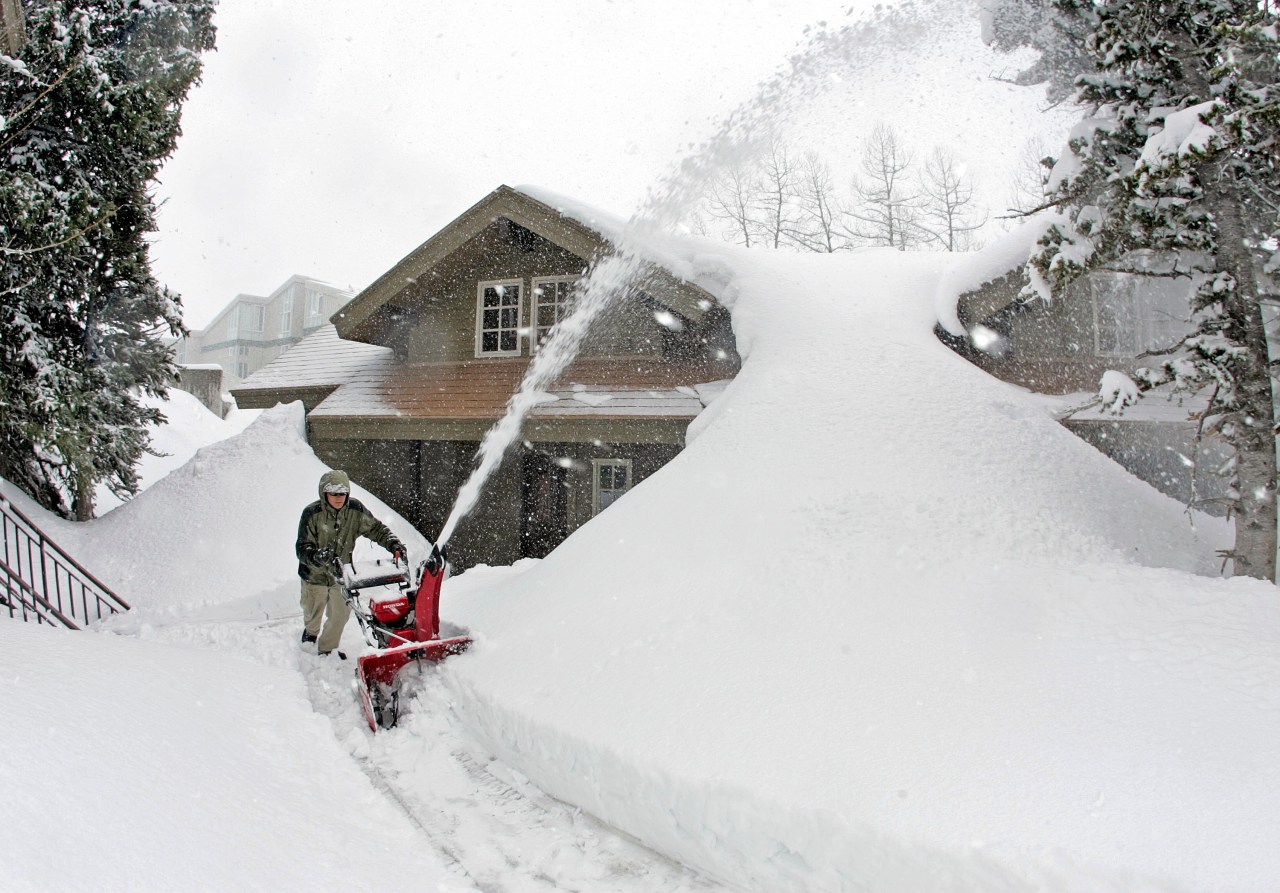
(883, 625)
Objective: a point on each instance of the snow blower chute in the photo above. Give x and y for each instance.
(401, 620)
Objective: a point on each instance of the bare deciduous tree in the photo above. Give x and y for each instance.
(777, 199)
(885, 199)
(948, 215)
(734, 197)
(819, 207)
(1026, 182)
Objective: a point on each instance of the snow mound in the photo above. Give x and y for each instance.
(168, 769)
(188, 426)
(885, 624)
(222, 526)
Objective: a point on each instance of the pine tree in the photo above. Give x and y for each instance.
(89, 111)
(1176, 171)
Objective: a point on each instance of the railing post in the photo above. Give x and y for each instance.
(44, 556)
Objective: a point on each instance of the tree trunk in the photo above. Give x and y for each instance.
(1254, 437)
(82, 504)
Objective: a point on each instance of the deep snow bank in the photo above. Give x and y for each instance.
(187, 427)
(220, 528)
(884, 624)
(136, 766)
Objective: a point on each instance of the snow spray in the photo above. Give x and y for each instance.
(609, 277)
(824, 56)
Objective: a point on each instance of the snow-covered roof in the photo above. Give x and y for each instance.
(321, 359)
(633, 388)
(975, 269)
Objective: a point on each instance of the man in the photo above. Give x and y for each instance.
(328, 530)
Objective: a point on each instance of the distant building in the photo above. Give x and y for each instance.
(252, 331)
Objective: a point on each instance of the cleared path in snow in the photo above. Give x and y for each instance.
(496, 831)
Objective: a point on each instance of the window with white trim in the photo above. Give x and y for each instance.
(315, 304)
(253, 318)
(551, 301)
(610, 479)
(286, 315)
(498, 318)
(242, 370)
(1133, 314)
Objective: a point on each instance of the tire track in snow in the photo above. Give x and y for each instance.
(498, 831)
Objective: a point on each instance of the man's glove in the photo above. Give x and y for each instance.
(324, 557)
(397, 554)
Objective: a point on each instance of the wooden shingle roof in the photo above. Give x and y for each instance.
(592, 388)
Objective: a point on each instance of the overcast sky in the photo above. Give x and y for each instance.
(329, 138)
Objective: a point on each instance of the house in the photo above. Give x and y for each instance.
(251, 331)
(421, 364)
(1105, 321)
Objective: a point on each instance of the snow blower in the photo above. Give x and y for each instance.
(403, 628)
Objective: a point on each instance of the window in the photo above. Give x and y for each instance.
(252, 318)
(242, 370)
(1133, 314)
(243, 350)
(611, 478)
(286, 316)
(551, 303)
(315, 303)
(498, 318)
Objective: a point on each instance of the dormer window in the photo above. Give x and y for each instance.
(551, 297)
(498, 318)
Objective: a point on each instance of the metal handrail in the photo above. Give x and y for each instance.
(51, 584)
(32, 602)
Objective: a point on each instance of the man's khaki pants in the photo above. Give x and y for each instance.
(315, 600)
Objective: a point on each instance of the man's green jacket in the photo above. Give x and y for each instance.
(325, 533)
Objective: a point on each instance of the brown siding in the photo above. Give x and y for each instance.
(442, 305)
(1050, 348)
(420, 480)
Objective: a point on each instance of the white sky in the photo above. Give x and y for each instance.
(330, 145)
(331, 138)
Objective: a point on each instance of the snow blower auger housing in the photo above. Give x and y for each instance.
(401, 620)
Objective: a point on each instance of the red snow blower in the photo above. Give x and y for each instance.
(401, 621)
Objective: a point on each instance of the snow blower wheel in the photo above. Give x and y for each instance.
(385, 701)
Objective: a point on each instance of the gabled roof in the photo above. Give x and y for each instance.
(313, 368)
(588, 236)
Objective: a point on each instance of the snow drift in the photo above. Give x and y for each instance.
(882, 625)
(885, 625)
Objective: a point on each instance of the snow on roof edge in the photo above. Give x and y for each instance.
(1004, 255)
